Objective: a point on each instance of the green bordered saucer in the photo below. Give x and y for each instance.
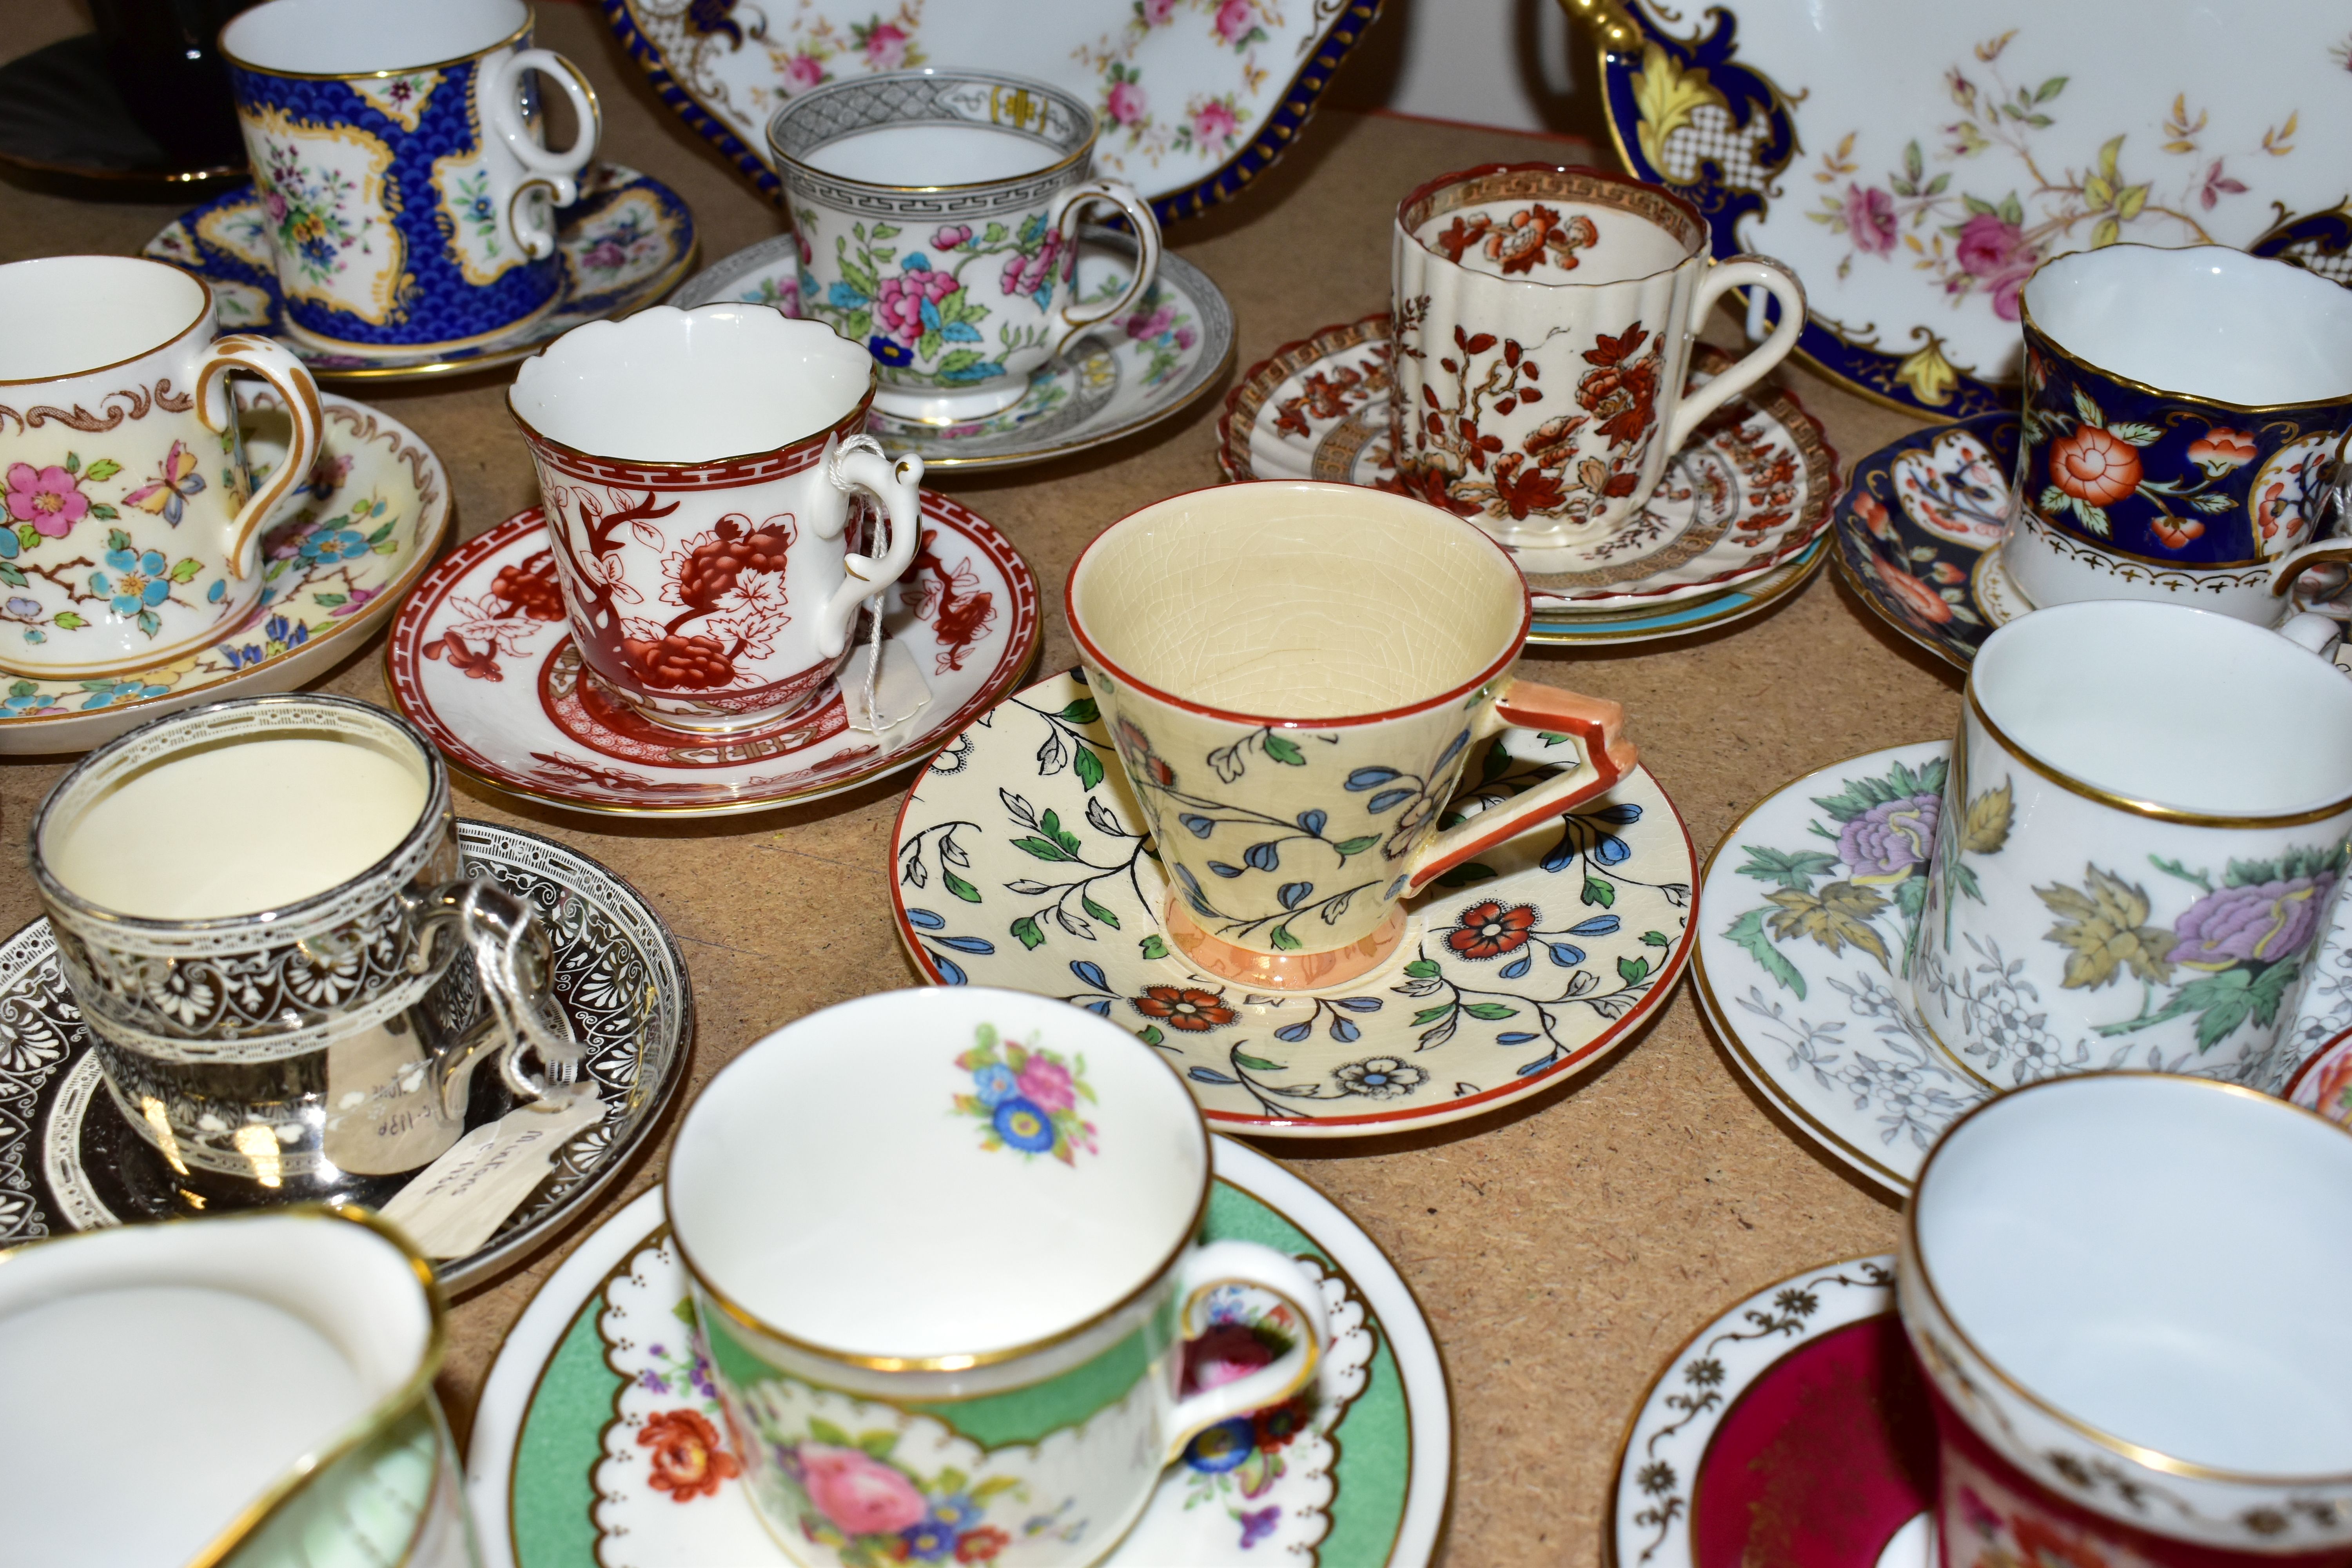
(597, 1443)
(1517, 971)
(377, 506)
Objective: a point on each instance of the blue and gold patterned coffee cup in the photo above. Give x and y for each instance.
(407, 195)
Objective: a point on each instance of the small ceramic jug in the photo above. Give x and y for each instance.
(408, 199)
(305, 1044)
(133, 532)
(938, 214)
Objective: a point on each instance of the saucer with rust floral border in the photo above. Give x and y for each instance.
(1021, 859)
(481, 658)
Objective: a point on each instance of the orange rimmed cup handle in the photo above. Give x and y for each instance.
(1606, 756)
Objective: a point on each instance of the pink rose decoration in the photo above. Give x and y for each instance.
(1212, 122)
(1127, 103)
(1993, 251)
(1184, 338)
(49, 498)
(886, 47)
(1157, 11)
(1228, 1350)
(1233, 19)
(1046, 1085)
(858, 1492)
(898, 306)
(1870, 219)
(1028, 274)
(804, 71)
(948, 237)
(1141, 326)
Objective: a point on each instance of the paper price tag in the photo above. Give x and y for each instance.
(452, 1206)
(900, 692)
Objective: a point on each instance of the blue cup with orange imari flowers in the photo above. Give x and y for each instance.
(900, 1385)
(938, 218)
(2185, 413)
(407, 195)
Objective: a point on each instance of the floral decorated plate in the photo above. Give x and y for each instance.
(1196, 98)
(1793, 1429)
(1680, 617)
(72, 1164)
(1021, 861)
(481, 658)
(624, 242)
(1751, 492)
(378, 504)
(1914, 160)
(598, 1440)
(1118, 379)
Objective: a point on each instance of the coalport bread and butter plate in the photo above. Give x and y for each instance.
(1747, 494)
(482, 659)
(1794, 1428)
(1918, 531)
(1812, 900)
(599, 1438)
(71, 1163)
(334, 571)
(1021, 860)
(624, 244)
(1131, 372)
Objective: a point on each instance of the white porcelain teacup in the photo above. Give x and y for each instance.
(2139, 843)
(133, 534)
(938, 214)
(2108, 1282)
(699, 469)
(942, 1245)
(318, 1332)
(1543, 319)
(2185, 417)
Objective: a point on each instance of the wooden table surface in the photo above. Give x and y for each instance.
(1564, 1246)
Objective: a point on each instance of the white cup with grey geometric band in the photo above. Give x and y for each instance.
(938, 213)
(943, 1249)
(2137, 850)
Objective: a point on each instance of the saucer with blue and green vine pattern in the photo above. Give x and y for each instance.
(1021, 859)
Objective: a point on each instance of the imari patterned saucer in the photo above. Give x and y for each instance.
(1021, 862)
(599, 1439)
(1812, 900)
(1793, 1429)
(69, 1162)
(482, 659)
(1918, 530)
(624, 242)
(1751, 493)
(1128, 374)
(378, 504)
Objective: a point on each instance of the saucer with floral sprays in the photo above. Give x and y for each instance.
(599, 1438)
(332, 572)
(1144, 365)
(1021, 859)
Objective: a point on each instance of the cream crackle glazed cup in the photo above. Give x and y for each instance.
(702, 470)
(290, 981)
(324, 1324)
(938, 217)
(2185, 418)
(2138, 845)
(1543, 319)
(942, 1248)
(1295, 674)
(134, 532)
(397, 155)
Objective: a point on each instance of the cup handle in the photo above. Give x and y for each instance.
(516, 964)
(2295, 562)
(1740, 272)
(1247, 1263)
(217, 406)
(897, 485)
(534, 229)
(1063, 218)
(1607, 756)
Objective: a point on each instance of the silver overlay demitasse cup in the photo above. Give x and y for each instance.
(294, 1051)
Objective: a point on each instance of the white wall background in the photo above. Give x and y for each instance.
(1518, 64)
